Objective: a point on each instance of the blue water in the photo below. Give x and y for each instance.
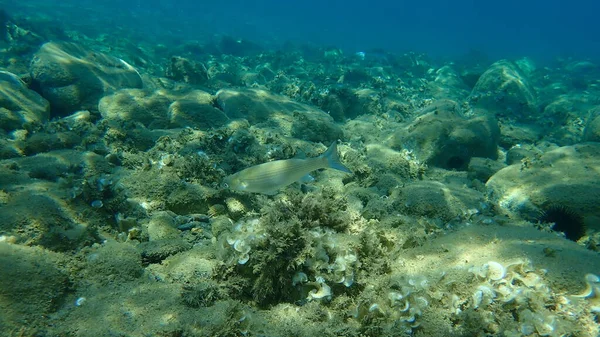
(510, 28)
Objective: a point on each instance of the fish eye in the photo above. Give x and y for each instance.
(225, 185)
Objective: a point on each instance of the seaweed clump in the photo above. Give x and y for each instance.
(291, 252)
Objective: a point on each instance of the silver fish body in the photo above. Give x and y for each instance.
(269, 177)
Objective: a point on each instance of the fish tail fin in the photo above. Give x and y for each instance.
(333, 161)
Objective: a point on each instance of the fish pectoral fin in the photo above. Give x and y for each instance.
(306, 179)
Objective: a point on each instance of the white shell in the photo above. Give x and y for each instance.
(241, 246)
(349, 281)
(495, 271)
(477, 298)
(324, 291)
(243, 259)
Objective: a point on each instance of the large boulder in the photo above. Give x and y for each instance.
(505, 91)
(196, 109)
(261, 107)
(162, 109)
(74, 78)
(137, 105)
(443, 138)
(19, 105)
(566, 176)
(32, 285)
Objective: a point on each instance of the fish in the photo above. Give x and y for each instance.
(270, 177)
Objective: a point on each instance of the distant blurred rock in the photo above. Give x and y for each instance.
(504, 90)
(19, 105)
(448, 84)
(73, 78)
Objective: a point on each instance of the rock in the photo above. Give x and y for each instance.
(341, 103)
(136, 105)
(517, 153)
(162, 226)
(19, 105)
(113, 262)
(564, 176)
(163, 109)
(73, 78)
(196, 110)
(591, 133)
(50, 181)
(183, 70)
(435, 200)
(156, 251)
(442, 137)
(279, 112)
(311, 127)
(483, 168)
(189, 198)
(31, 283)
(512, 134)
(448, 84)
(505, 91)
(44, 142)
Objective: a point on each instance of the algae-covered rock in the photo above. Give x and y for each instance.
(591, 132)
(278, 112)
(162, 226)
(184, 70)
(43, 194)
(73, 77)
(505, 90)
(188, 199)
(113, 262)
(162, 109)
(442, 137)
(32, 284)
(158, 250)
(136, 105)
(311, 127)
(20, 106)
(483, 168)
(44, 142)
(435, 200)
(448, 84)
(196, 110)
(564, 176)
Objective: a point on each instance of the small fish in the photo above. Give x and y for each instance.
(269, 177)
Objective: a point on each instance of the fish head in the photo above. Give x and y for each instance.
(235, 182)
